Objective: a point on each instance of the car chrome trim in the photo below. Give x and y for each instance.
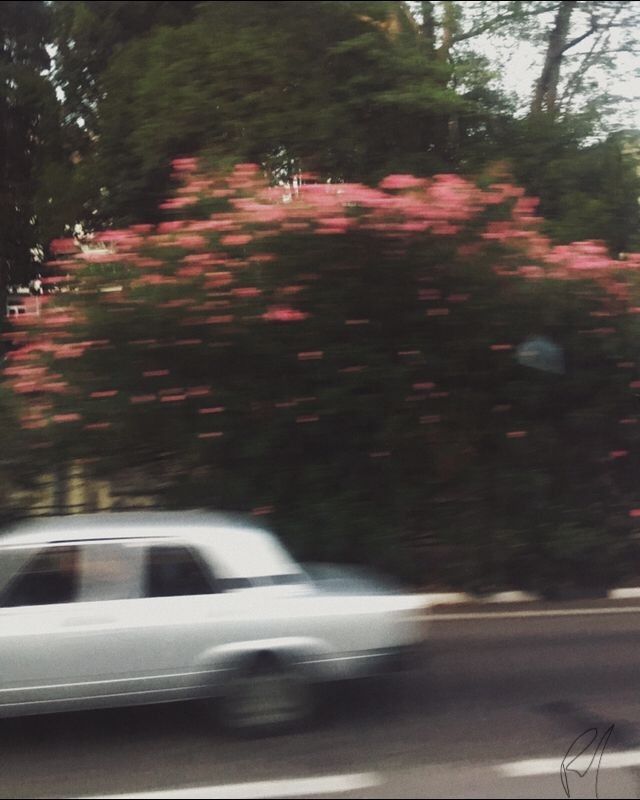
(112, 681)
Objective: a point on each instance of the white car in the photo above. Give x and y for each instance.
(130, 608)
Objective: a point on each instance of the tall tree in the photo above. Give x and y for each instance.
(89, 34)
(343, 88)
(28, 126)
(574, 23)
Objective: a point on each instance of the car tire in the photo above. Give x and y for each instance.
(266, 696)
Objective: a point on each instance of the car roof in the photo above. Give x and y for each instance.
(125, 524)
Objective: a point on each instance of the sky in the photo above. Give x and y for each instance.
(518, 67)
(521, 65)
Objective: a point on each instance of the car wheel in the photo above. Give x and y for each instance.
(266, 696)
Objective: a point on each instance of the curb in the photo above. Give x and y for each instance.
(460, 598)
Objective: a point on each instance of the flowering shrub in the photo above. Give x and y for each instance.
(344, 357)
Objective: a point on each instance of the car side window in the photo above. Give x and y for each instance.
(49, 576)
(111, 570)
(176, 570)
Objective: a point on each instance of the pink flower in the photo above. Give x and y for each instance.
(71, 417)
(531, 272)
(236, 240)
(52, 280)
(171, 227)
(63, 246)
(400, 182)
(284, 315)
(174, 304)
(220, 319)
(185, 164)
(246, 169)
(191, 241)
(175, 203)
(215, 279)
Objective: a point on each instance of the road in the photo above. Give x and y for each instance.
(491, 711)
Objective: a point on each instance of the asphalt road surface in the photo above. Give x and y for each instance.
(493, 710)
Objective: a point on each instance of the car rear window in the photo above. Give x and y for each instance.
(175, 570)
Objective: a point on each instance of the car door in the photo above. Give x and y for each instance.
(182, 615)
(38, 651)
(68, 626)
(147, 610)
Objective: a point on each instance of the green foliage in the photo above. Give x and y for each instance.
(351, 91)
(388, 406)
(586, 191)
(312, 85)
(28, 130)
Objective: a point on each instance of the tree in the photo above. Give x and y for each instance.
(331, 87)
(351, 91)
(28, 127)
(585, 189)
(89, 34)
(598, 21)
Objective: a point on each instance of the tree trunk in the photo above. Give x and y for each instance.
(428, 26)
(546, 91)
(450, 26)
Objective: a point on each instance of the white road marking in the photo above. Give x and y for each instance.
(560, 612)
(291, 787)
(551, 766)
